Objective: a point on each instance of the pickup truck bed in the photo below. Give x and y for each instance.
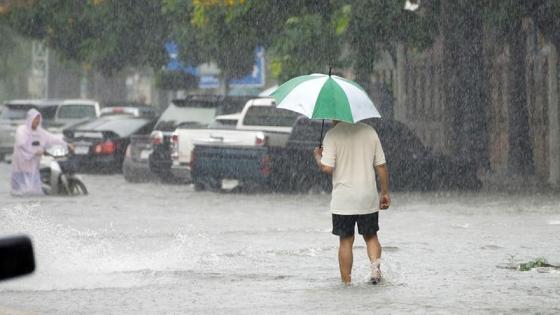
(217, 166)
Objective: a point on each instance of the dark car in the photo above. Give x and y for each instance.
(193, 110)
(412, 166)
(100, 145)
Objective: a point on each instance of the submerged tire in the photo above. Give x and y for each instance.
(311, 185)
(76, 187)
(199, 186)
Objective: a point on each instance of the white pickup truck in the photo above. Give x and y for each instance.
(259, 124)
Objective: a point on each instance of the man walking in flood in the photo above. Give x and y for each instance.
(352, 153)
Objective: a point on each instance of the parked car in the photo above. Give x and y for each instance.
(136, 166)
(57, 114)
(412, 166)
(130, 109)
(184, 137)
(100, 145)
(249, 156)
(195, 111)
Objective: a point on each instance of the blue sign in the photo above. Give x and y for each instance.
(254, 79)
(175, 64)
(211, 81)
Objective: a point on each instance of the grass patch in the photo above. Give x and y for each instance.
(538, 262)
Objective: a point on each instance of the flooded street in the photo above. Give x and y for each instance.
(166, 249)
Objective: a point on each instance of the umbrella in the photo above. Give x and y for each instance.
(321, 96)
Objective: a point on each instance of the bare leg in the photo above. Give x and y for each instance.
(345, 258)
(373, 247)
(374, 253)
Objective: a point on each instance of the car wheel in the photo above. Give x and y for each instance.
(127, 174)
(199, 186)
(310, 185)
(76, 187)
(130, 178)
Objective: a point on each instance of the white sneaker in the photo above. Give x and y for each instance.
(375, 277)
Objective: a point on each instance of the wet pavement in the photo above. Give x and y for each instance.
(166, 249)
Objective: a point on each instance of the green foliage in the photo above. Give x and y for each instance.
(15, 54)
(538, 262)
(380, 24)
(308, 44)
(8, 47)
(109, 35)
(301, 36)
(228, 38)
(175, 80)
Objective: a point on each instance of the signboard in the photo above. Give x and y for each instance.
(175, 64)
(209, 75)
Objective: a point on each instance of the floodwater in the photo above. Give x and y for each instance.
(159, 249)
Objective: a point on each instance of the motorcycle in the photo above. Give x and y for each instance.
(58, 174)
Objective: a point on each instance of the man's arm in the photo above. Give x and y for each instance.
(318, 154)
(383, 174)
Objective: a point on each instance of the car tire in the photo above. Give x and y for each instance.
(131, 178)
(310, 185)
(76, 187)
(199, 186)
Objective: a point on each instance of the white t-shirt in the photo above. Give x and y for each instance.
(353, 150)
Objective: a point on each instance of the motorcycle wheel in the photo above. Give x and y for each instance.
(76, 187)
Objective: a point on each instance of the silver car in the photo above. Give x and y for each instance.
(57, 114)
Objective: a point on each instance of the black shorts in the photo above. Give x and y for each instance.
(343, 225)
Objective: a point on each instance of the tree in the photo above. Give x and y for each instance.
(377, 25)
(465, 79)
(107, 34)
(14, 63)
(308, 44)
(506, 19)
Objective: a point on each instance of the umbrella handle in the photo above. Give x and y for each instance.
(321, 138)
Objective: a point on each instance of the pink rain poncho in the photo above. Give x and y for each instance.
(29, 143)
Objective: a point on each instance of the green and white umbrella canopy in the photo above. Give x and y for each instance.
(321, 96)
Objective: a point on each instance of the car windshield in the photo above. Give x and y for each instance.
(15, 112)
(269, 116)
(19, 111)
(122, 126)
(76, 111)
(174, 116)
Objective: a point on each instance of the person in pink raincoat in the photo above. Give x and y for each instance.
(30, 144)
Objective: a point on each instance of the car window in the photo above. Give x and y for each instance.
(48, 112)
(269, 116)
(184, 115)
(15, 112)
(309, 130)
(223, 124)
(19, 111)
(76, 111)
(146, 129)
